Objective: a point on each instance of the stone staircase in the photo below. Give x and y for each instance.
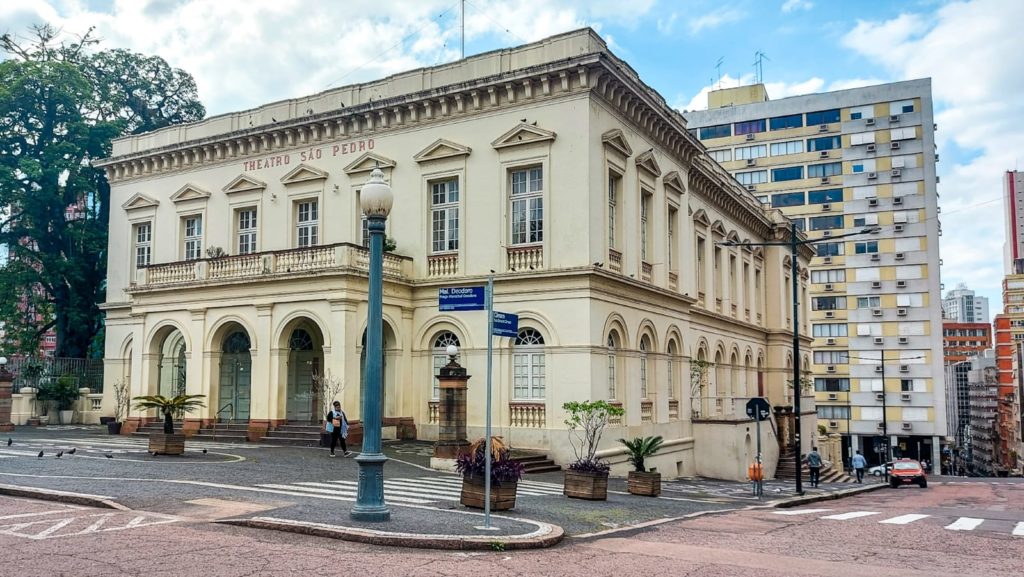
(221, 433)
(535, 463)
(830, 474)
(293, 436)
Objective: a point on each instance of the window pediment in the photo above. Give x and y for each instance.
(719, 227)
(646, 161)
(523, 133)
(701, 217)
(244, 183)
(140, 201)
(615, 139)
(441, 148)
(190, 192)
(303, 173)
(368, 162)
(674, 181)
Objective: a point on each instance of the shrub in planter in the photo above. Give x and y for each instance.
(641, 481)
(587, 476)
(121, 401)
(63, 392)
(168, 443)
(505, 475)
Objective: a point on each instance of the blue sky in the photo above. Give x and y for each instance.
(244, 53)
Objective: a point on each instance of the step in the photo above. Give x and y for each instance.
(291, 442)
(542, 469)
(291, 435)
(218, 438)
(298, 429)
(525, 459)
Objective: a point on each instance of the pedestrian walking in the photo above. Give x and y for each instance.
(814, 463)
(337, 426)
(859, 463)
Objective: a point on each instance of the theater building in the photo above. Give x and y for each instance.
(237, 266)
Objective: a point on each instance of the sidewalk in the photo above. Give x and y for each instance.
(303, 490)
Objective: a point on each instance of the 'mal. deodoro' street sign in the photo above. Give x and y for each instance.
(758, 409)
(505, 324)
(470, 298)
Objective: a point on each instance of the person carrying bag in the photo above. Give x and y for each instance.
(337, 426)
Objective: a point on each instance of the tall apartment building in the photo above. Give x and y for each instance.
(958, 411)
(1013, 207)
(836, 163)
(960, 341)
(982, 383)
(963, 306)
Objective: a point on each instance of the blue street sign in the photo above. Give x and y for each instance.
(505, 324)
(470, 298)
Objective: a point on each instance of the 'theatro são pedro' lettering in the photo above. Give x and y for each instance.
(340, 149)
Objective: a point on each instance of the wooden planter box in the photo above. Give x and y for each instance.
(164, 444)
(645, 483)
(584, 485)
(503, 496)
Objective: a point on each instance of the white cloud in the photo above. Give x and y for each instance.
(791, 5)
(776, 90)
(244, 53)
(666, 25)
(714, 19)
(967, 49)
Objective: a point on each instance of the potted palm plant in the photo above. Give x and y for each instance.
(587, 476)
(505, 475)
(121, 401)
(63, 392)
(168, 442)
(641, 481)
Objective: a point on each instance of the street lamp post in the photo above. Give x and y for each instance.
(793, 245)
(375, 200)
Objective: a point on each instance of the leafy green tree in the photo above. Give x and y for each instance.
(60, 107)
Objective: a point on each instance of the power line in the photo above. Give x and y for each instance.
(498, 24)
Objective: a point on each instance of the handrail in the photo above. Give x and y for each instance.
(216, 417)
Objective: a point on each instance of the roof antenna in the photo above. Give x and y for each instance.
(759, 58)
(718, 67)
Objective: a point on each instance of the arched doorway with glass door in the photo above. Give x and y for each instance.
(305, 364)
(234, 397)
(172, 365)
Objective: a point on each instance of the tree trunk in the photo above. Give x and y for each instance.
(168, 424)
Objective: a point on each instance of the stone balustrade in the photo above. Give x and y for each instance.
(532, 415)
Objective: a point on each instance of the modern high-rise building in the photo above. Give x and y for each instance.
(1013, 206)
(837, 163)
(961, 341)
(961, 305)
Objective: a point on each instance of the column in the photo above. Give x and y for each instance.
(264, 412)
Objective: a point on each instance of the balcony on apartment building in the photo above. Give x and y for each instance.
(337, 258)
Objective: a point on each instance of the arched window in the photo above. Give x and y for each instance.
(528, 365)
(644, 347)
(237, 342)
(300, 341)
(440, 356)
(613, 343)
(670, 370)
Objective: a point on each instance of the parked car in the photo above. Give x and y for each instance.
(879, 470)
(907, 471)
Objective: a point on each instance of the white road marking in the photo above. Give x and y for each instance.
(851, 515)
(965, 524)
(801, 511)
(20, 515)
(53, 528)
(1018, 531)
(904, 519)
(99, 523)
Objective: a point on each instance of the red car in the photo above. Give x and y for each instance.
(907, 471)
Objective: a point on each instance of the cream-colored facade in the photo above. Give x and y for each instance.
(551, 165)
(837, 163)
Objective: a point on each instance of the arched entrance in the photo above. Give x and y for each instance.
(235, 393)
(171, 366)
(304, 354)
(388, 343)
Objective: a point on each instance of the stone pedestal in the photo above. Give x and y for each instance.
(451, 416)
(6, 400)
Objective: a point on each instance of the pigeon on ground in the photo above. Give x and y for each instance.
(59, 454)
(40, 454)
(72, 451)
(108, 455)
(9, 441)
(204, 451)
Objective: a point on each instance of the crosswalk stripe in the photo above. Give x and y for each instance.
(530, 487)
(1018, 531)
(389, 490)
(904, 519)
(965, 524)
(343, 494)
(53, 528)
(19, 515)
(801, 511)
(852, 515)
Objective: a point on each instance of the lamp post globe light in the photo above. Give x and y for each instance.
(375, 199)
(794, 243)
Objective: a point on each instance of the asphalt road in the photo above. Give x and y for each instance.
(905, 532)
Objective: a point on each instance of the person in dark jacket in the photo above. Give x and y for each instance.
(337, 426)
(814, 464)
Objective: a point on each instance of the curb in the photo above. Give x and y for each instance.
(807, 499)
(546, 535)
(62, 497)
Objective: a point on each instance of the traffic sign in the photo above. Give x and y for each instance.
(505, 324)
(758, 409)
(469, 298)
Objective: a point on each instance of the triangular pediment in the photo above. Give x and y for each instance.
(523, 134)
(718, 227)
(190, 192)
(732, 236)
(244, 183)
(139, 200)
(674, 181)
(303, 173)
(647, 162)
(616, 140)
(701, 217)
(368, 162)
(441, 148)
